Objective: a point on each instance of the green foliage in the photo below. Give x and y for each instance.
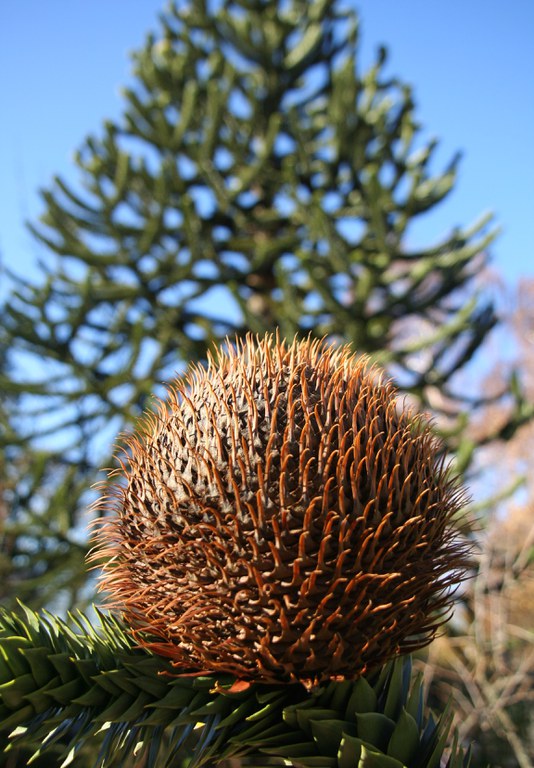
(256, 179)
(61, 687)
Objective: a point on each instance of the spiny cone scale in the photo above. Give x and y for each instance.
(281, 518)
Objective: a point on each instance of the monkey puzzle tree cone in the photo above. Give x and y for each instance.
(282, 517)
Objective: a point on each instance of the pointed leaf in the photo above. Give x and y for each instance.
(374, 728)
(350, 749)
(396, 695)
(404, 742)
(13, 692)
(363, 698)
(371, 759)
(328, 733)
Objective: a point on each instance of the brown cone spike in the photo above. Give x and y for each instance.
(281, 518)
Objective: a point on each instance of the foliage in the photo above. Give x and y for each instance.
(256, 179)
(61, 686)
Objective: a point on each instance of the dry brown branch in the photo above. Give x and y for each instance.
(489, 667)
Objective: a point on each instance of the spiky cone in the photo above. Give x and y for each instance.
(282, 518)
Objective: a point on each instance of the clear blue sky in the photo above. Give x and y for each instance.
(471, 63)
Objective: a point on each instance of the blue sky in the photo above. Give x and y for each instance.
(470, 62)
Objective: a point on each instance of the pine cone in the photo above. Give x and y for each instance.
(282, 518)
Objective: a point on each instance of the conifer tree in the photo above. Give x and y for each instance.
(257, 179)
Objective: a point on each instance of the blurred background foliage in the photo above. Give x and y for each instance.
(258, 179)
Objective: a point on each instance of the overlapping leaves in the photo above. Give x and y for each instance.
(66, 685)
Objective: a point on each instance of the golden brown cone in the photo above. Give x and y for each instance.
(281, 518)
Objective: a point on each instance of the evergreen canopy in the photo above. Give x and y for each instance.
(257, 179)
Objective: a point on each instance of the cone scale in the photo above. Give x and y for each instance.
(282, 517)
